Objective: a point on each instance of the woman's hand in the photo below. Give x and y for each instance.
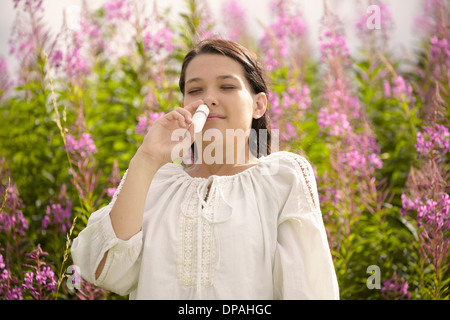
(160, 141)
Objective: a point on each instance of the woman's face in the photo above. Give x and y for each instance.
(220, 82)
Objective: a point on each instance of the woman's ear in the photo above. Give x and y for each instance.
(260, 106)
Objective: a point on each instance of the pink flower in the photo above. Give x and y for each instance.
(76, 64)
(4, 275)
(41, 283)
(117, 10)
(333, 45)
(336, 123)
(289, 132)
(155, 116)
(234, 19)
(29, 278)
(408, 204)
(274, 102)
(12, 220)
(430, 140)
(375, 161)
(145, 123)
(429, 212)
(354, 159)
(5, 83)
(141, 127)
(297, 95)
(56, 58)
(386, 24)
(23, 48)
(84, 147)
(395, 289)
(286, 33)
(56, 215)
(401, 89)
(110, 192)
(159, 43)
(387, 89)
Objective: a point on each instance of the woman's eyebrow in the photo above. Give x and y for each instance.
(222, 77)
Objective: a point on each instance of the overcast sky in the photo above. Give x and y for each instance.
(404, 12)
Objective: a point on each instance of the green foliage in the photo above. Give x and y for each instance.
(365, 229)
(395, 124)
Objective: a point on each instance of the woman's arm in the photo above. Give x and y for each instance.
(156, 150)
(127, 213)
(303, 266)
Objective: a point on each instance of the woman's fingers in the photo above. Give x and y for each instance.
(179, 117)
(185, 113)
(164, 140)
(192, 107)
(182, 116)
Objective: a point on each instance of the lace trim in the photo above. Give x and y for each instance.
(189, 258)
(187, 266)
(208, 247)
(116, 193)
(309, 181)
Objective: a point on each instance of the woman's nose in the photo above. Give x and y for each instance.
(210, 102)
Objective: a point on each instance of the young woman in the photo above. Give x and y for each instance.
(239, 223)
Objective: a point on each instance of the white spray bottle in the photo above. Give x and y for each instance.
(199, 118)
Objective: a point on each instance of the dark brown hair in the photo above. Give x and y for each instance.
(253, 73)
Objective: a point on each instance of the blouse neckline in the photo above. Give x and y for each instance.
(221, 177)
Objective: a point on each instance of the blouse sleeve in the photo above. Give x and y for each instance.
(121, 270)
(303, 267)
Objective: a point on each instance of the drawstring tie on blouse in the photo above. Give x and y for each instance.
(215, 198)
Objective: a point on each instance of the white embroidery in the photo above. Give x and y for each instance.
(208, 248)
(116, 193)
(308, 180)
(196, 248)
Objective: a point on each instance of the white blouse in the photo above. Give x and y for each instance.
(259, 235)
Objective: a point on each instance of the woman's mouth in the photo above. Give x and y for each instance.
(214, 117)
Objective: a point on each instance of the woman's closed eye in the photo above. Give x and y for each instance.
(194, 91)
(227, 87)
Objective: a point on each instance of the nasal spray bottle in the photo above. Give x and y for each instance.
(198, 120)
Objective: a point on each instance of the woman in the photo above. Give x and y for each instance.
(242, 223)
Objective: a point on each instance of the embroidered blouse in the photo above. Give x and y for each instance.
(258, 235)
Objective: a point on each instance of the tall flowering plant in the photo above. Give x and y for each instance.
(352, 193)
(284, 51)
(80, 103)
(434, 54)
(235, 22)
(392, 107)
(23, 274)
(427, 201)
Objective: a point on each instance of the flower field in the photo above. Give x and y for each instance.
(375, 128)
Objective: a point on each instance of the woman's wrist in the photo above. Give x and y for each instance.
(143, 158)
